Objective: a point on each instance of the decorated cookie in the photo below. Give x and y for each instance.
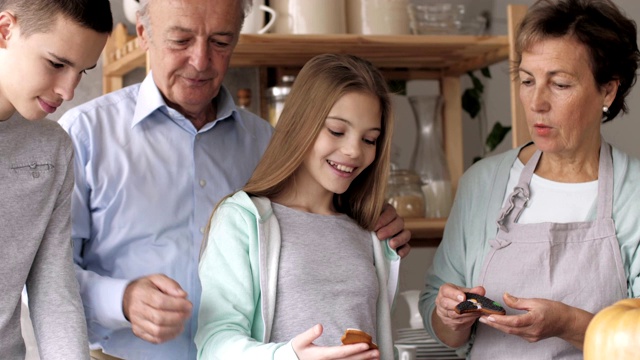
(479, 304)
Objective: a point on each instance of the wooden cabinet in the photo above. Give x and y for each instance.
(404, 57)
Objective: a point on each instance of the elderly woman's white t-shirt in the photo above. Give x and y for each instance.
(552, 201)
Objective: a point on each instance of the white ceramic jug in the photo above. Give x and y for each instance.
(254, 21)
(130, 7)
(310, 16)
(407, 352)
(378, 17)
(412, 297)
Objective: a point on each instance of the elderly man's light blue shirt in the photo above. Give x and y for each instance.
(146, 183)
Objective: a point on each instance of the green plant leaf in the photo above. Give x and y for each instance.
(485, 72)
(398, 87)
(471, 102)
(496, 135)
(477, 83)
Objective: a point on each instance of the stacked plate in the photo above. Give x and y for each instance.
(427, 347)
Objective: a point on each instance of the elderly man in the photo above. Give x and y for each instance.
(152, 161)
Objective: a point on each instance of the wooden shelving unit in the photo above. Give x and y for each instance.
(442, 58)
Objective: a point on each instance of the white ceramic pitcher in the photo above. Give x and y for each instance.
(378, 17)
(407, 352)
(412, 297)
(130, 7)
(254, 21)
(310, 16)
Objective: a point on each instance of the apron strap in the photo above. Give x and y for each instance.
(605, 182)
(519, 198)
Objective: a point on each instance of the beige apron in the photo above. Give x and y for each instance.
(578, 264)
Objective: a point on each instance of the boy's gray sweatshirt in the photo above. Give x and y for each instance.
(36, 183)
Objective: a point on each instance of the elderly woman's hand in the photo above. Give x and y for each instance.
(543, 319)
(453, 328)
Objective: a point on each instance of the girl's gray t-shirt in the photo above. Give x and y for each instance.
(326, 276)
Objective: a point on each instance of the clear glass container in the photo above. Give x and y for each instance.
(428, 159)
(435, 18)
(276, 97)
(244, 98)
(405, 194)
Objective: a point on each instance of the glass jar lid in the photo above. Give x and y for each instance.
(403, 176)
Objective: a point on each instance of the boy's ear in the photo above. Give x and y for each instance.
(7, 27)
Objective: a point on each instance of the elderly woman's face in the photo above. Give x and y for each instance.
(562, 102)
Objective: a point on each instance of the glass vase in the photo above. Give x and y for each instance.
(428, 159)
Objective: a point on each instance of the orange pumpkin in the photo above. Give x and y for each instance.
(614, 333)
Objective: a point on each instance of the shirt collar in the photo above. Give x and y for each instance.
(150, 99)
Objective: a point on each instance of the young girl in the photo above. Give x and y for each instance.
(291, 262)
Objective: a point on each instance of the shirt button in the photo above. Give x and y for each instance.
(201, 230)
(203, 183)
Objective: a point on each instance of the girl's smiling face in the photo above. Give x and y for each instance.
(344, 147)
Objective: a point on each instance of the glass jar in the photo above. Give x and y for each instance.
(405, 194)
(276, 96)
(429, 160)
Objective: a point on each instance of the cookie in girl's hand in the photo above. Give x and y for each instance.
(479, 304)
(355, 336)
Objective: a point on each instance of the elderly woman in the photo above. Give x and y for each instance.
(549, 229)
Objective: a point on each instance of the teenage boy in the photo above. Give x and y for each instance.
(45, 48)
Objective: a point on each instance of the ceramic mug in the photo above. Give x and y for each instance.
(254, 21)
(378, 17)
(407, 352)
(310, 16)
(130, 7)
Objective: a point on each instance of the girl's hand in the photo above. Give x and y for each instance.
(306, 350)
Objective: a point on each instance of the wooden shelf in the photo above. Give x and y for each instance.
(433, 56)
(412, 56)
(425, 232)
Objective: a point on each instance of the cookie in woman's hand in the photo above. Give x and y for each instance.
(479, 304)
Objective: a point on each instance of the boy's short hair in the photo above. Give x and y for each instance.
(38, 16)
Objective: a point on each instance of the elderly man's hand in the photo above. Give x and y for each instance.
(390, 225)
(157, 308)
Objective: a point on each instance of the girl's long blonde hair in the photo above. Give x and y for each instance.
(322, 81)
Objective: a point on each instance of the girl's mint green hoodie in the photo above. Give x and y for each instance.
(238, 272)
